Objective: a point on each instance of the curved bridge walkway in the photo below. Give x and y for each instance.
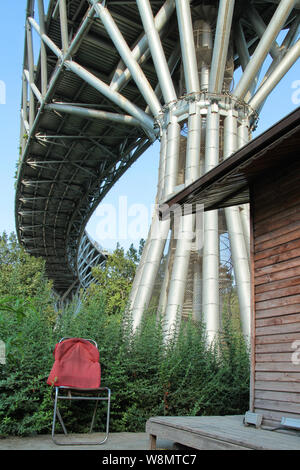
(75, 141)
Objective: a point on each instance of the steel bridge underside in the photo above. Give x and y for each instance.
(69, 161)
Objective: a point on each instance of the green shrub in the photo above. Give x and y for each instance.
(25, 402)
(146, 378)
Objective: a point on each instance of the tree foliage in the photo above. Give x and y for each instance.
(23, 281)
(114, 280)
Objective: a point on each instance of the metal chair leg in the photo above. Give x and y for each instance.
(94, 415)
(57, 413)
(61, 421)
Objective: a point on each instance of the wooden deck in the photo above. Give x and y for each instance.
(218, 433)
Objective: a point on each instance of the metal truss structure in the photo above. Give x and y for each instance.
(110, 78)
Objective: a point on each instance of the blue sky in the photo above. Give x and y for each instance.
(138, 185)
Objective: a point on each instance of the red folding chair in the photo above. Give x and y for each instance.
(76, 375)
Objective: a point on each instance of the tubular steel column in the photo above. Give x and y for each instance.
(283, 10)
(213, 78)
(187, 223)
(236, 234)
(221, 43)
(160, 189)
(159, 229)
(210, 295)
(186, 232)
(243, 139)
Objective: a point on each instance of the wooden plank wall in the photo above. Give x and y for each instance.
(275, 201)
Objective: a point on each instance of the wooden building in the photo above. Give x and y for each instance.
(266, 173)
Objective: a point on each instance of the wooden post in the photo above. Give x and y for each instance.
(152, 440)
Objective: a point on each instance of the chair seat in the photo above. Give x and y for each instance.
(66, 387)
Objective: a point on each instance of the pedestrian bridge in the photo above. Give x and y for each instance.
(86, 117)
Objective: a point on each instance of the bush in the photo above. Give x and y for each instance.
(146, 378)
(25, 401)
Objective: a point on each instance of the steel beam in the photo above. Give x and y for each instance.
(177, 284)
(207, 42)
(186, 233)
(210, 267)
(31, 74)
(73, 46)
(220, 51)
(32, 85)
(157, 52)
(145, 120)
(122, 74)
(171, 159)
(158, 237)
(94, 114)
(63, 16)
(282, 68)
(244, 56)
(141, 266)
(159, 229)
(236, 234)
(260, 28)
(187, 46)
(281, 14)
(102, 87)
(44, 68)
(46, 38)
(126, 54)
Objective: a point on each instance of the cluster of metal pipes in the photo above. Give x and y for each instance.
(206, 107)
(203, 103)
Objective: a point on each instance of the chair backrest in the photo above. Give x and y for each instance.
(76, 364)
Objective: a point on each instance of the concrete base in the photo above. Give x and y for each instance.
(116, 441)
